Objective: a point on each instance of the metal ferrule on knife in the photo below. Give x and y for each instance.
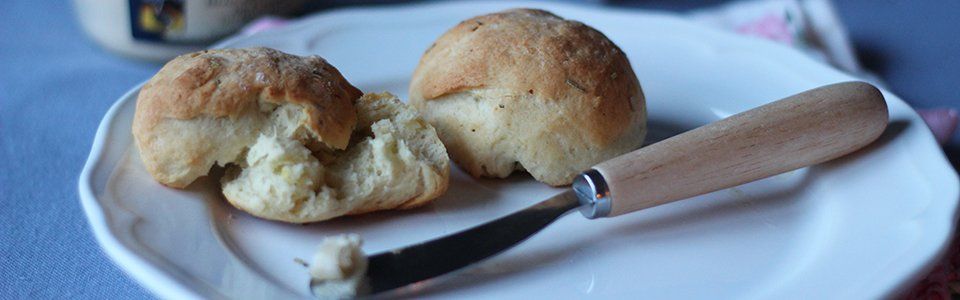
(593, 193)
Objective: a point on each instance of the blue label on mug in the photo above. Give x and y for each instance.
(154, 20)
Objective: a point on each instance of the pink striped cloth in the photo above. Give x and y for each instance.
(813, 27)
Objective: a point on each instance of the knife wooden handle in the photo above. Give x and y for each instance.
(804, 129)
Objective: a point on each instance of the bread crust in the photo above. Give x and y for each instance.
(549, 78)
(222, 95)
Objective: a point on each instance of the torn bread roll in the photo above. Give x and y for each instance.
(299, 142)
(527, 90)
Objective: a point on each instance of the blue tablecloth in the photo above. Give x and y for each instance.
(56, 85)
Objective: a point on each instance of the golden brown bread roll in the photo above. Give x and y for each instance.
(527, 90)
(300, 143)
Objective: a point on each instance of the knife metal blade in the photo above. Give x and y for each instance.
(393, 269)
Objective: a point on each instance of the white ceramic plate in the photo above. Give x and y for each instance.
(865, 226)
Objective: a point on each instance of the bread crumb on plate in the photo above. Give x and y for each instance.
(339, 267)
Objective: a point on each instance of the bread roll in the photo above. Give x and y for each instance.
(526, 90)
(299, 142)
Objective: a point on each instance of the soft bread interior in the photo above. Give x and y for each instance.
(395, 160)
(200, 143)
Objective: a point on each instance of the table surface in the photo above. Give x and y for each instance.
(56, 85)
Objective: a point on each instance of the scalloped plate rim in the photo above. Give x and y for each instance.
(167, 285)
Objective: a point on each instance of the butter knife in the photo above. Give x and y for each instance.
(808, 128)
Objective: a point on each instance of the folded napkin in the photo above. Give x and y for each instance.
(812, 27)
